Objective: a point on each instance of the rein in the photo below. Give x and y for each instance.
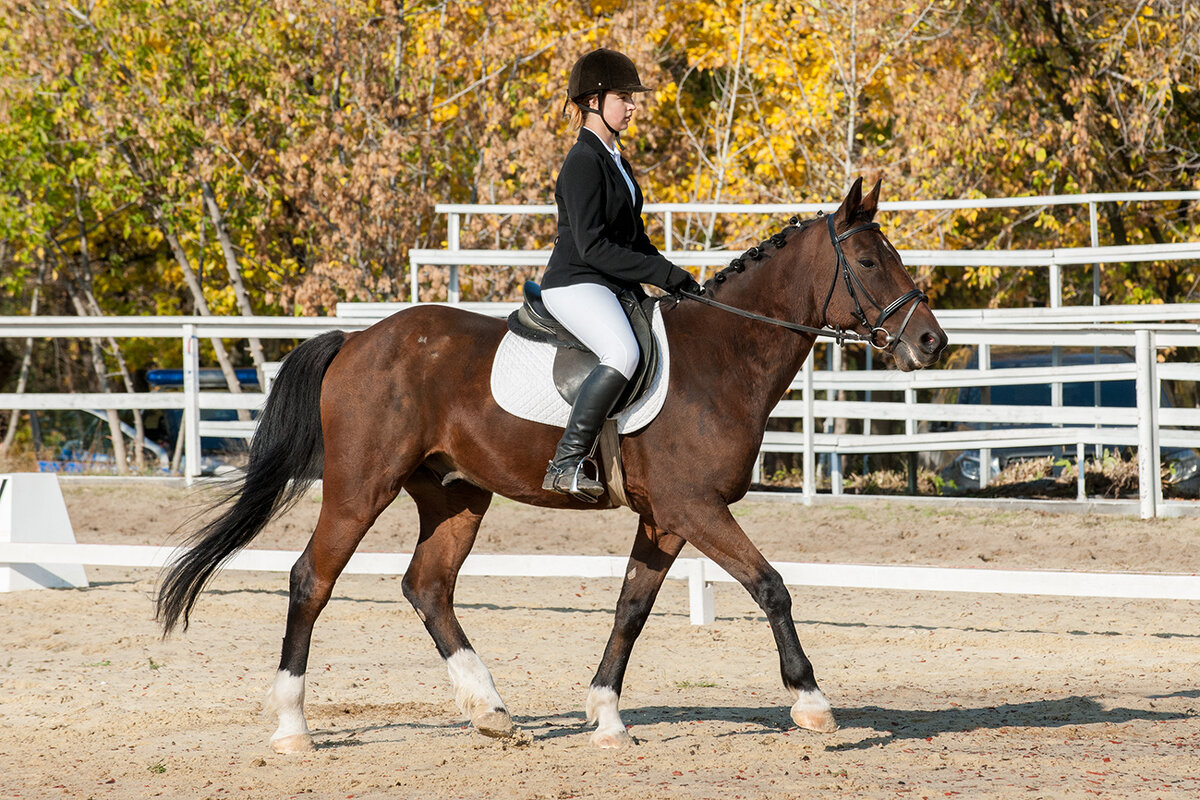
(878, 338)
(841, 337)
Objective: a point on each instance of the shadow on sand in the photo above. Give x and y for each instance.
(888, 724)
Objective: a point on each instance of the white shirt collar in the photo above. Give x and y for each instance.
(616, 156)
(613, 151)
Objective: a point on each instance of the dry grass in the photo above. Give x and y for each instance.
(17, 459)
(1109, 476)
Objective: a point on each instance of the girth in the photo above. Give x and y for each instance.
(573, 361)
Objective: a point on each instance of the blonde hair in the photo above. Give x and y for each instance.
(574, 115)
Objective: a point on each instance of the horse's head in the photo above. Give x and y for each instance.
(871, 292)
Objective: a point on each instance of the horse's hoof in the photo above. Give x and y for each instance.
(819, 721)
(297, 743)
(497, 724)
(812, 712)
(611, 740)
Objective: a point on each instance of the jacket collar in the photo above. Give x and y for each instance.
(590, 139)
(593, 140)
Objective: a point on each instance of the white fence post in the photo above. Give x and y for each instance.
(985, 453)
(1095, 238)
(452, 244)
(191, 404)
(835, 460)
(412, 278)
(700, 595)
(1147, 401)
(810, 455)
(1080, 480)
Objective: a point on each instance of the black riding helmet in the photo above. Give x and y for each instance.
(599, 72)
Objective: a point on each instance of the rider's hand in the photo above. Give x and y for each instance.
(682, 282)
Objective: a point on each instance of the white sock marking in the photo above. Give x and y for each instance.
(810, 700)
(286, 699)
(474, 691)
(602, 709)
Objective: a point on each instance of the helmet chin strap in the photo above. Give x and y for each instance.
(600, 112)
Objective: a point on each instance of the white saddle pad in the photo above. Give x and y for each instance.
(523, 382)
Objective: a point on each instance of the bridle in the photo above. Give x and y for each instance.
(851, 280)
(877, 337)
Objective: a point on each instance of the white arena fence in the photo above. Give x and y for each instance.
(700, 573)
(1145, 331)
(454, 257)
(38, 549)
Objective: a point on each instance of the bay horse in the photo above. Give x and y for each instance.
(406, 404)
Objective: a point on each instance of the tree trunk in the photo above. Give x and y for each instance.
(101, 371)
(26, 361)
(93, 306)
(235, 272)
(98, 364)
(189, 274)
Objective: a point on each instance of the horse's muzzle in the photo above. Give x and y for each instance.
(919, 347)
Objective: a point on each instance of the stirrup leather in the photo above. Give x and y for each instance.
(575, 482)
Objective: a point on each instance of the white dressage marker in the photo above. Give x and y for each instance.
(32, 511)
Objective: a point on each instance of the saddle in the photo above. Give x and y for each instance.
(572, 360)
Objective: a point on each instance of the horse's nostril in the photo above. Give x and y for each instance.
(932, 342)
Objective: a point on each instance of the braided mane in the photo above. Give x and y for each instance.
(759, 251)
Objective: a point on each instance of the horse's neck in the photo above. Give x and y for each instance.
(762, 358)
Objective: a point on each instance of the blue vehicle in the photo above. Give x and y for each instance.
(963, 473)
(218, 455)
(89, 452)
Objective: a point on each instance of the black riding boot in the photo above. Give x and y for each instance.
(597, 396)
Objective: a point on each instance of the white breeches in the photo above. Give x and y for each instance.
(594, 316)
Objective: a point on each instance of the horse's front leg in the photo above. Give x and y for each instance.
(653, 553)
(711, 528)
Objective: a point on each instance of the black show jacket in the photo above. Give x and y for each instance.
(601, 238)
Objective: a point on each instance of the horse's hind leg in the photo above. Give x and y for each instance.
(450, 517)
(653, 553)
(345, 518)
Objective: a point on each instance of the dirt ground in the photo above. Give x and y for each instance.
(938, 694)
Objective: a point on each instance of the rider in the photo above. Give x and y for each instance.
(601, 250)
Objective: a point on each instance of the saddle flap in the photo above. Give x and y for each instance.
(639, 314)
(570, 369)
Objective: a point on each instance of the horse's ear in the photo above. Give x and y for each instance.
(870, 203)
(852, 202)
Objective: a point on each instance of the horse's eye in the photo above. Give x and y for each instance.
(867, 263)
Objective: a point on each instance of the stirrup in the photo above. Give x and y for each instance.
(575, 482)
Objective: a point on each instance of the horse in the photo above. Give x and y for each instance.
(406, 404)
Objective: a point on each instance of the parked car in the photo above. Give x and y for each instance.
(91, 452)
(219, 455)
(963, 473)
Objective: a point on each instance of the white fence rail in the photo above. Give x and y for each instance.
(700, 573)
(454, 256)
(1052, 259)
(1148, 426)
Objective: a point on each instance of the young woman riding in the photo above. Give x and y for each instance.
(601, 250)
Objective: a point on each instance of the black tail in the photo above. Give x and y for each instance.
(286, 456)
